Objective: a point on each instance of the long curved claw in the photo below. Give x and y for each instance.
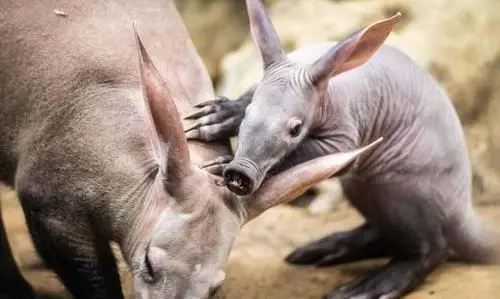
(202, 112)
(219, 160)
(193, 127)
(217, 165)
(217, 100)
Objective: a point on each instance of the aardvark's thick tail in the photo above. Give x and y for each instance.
(473, 242)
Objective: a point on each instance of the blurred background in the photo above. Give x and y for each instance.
(457, 41)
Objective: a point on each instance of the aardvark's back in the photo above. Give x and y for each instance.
(50, 62)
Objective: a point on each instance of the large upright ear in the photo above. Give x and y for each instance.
(166, 130)
(292, 182)
(264, 34)
(352, 51)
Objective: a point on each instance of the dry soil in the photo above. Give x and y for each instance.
(256, 268)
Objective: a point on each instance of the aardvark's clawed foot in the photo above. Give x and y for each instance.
(342, 247)
(391, 281)
(216, 119)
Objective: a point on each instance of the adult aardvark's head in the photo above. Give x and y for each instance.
(190, 219)
(284, 103)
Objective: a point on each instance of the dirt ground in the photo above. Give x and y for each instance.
(256, 268)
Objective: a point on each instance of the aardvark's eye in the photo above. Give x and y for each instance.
(295, 127)
(148, 274)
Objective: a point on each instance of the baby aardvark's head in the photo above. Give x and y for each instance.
(287, 99)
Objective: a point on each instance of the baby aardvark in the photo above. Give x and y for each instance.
(414, 190)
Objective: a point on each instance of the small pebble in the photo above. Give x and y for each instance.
(60, 13)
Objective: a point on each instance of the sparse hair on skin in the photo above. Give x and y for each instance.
(414, 190)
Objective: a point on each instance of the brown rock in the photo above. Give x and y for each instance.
(216, 28)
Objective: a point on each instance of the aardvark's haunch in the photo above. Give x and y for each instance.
(414, 190)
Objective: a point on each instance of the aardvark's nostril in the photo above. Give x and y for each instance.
(238, 182)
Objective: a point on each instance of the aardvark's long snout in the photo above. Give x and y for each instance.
(242, 176)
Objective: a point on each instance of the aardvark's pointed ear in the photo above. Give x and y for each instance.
(264, 34)
(353, 51)
(292, 182)
(166, 128)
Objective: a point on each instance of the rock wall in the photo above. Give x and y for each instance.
(455, 40)
(216, 28)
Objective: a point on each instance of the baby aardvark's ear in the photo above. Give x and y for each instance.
(292, 182)
(264, 34)
(352, 51)
(165, 128)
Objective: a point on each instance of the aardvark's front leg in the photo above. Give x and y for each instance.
(68, 244)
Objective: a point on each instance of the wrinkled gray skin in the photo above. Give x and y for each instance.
(74, 144)
(414, 190)
(93, 143)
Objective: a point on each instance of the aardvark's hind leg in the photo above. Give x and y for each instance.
(412, 227)
(360, 243)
